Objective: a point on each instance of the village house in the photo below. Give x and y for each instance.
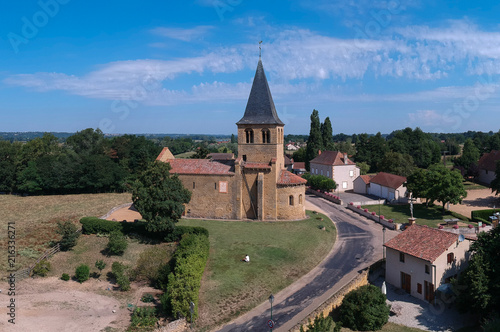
(421, 259)
(487, 166)
(337, 166)
(255, 185)
(384, 185)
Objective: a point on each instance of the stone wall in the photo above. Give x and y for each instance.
(295, 211)
(369, 215)
(329, 197)
(206, 199)
(179, 325)
(335, 300)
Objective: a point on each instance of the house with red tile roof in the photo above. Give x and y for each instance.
(255, 185)
(386, 186)
(487, 166)
(421, 259)
(337, 166)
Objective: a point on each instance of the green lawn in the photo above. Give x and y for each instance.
(431, 216)
(473, 186)
(280, 253)
(185, 155)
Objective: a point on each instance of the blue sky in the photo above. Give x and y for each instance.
(187, 67)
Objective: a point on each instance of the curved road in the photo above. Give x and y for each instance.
(359, 243)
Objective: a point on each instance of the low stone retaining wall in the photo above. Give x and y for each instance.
(179, 325)
(374, 217)
(327, 196)
(335, 300)
(116, 208)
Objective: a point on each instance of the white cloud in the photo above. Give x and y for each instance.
(183, 34)
(426, 117)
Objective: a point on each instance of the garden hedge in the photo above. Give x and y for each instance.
(483, 215)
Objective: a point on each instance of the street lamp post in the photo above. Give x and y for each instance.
(271, 300)
(191, 309)
(383, 242)
(379, 211)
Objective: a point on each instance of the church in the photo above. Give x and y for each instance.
(256, 184)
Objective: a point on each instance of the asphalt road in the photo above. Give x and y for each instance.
(359, 243)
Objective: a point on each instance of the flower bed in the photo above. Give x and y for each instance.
(373, 216)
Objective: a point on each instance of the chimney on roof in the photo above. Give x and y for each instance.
(319, 152)
(345, 158)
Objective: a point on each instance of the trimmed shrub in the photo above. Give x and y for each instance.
(188, 265)
(322, 324)
(117, 243)
(364, 309)
(65, 277)
(94, 225)
(42, 268)
(179, 231)
(69, 234)
(320, 182)
(483, 215)
(82, 273)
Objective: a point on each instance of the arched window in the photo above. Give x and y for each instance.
(249, 135)
(290, 200)
(300, 199)
(266, 136)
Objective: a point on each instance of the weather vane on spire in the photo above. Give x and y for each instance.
(260, 49)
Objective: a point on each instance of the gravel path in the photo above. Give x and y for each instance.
(421, 314)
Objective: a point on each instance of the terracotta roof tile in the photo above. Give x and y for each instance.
(366, 178)
(422, 242)
(200, 166)
(489, 160)
(165, 154)
(299, 165)
(334, 158)
(289, 179)
(388, 180)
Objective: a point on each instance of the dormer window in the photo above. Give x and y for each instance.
(249, 135)
(266, 136)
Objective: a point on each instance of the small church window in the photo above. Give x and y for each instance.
(300, 199)
(194, 185)
(266, 136)
(249, 135)
(215, 185)
(290, 200)
(244, 157)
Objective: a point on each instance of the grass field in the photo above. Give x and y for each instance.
(280, 252)
(473, 186)
(36, 218)
(430, 216)
(185, 155)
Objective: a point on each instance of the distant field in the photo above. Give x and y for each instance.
(430, 216)
(473, 186)
(185, 155)
(280, 253)
(36, 218)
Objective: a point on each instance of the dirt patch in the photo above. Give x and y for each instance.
(50, 304)
(478, 199)
(127, 213)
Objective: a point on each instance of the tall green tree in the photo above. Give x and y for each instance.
(478, 286)
(419, 184)
(447, 185)
(233, 139)
(160, 197)
(315, 140)
(8, 157)
(327, 134)
(87, 142)
(396, 163)
(470, 156)
(424, 149)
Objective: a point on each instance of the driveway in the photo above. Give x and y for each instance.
(359, 244)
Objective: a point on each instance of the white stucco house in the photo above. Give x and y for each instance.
(421, 259)
(487, 166)
(337, 166)
(388, 186)
(362, 183)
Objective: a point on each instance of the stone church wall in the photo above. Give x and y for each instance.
(295, 211)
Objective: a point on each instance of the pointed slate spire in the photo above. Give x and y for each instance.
(260, 106)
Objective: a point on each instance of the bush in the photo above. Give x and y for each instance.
(82, 273)
(118, 271)
(144, 316)
(117, 243)
(322, 324)
(69, 234)
(94, 225)
(364, 309)
(150, 262)
(42, 268)
(65, 277)
(100, 265)
(179, 231)
(184, 283)
(147, 298)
